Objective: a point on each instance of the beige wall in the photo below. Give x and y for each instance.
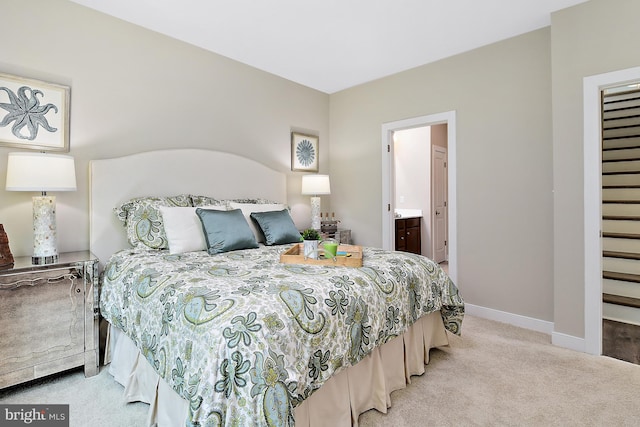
(520, 246)
(502, 97)
(592, 38)
(134, 90)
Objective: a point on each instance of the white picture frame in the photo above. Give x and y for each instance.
(34, 114)
(304, 152)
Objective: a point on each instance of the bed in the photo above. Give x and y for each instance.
(226, 334)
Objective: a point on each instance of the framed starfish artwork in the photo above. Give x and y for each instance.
(304, 152)
(33, 114)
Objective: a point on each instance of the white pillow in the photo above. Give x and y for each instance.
(184, 229)
(247, 208)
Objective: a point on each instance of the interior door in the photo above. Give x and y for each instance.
(439, 203)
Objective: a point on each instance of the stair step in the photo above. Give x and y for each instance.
(628, 121)
(622, 235)
(629, 145)
(620, 300)
(620, 143)
(627, 194)
(627, 166)
(621, 265)
(635, 278)
(620, 218)
(623, 202)
(621, 179)
(620, 154)
(624, 255)
(613, 98)
(619, 226)
(621, 245)
(626, 209)
(621, 132)
(627, 159)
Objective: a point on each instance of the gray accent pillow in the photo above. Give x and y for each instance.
(226, 231)
(277, 226)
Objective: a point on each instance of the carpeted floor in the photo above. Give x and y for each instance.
(494, 375)
(501, 375)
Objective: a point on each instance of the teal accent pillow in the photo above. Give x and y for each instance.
(226, 231)
(277, 226)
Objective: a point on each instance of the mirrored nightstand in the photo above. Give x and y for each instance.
(48, 317)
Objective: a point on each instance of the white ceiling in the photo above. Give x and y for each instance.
(330, 45)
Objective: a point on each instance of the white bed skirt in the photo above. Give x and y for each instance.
(339, 402)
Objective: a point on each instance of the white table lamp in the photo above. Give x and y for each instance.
(42, 172)
(315, 186)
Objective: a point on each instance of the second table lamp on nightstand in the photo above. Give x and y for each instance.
(315, 186)
(42, 172)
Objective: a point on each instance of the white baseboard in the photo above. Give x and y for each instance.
(569, 341)
(558, 339)
(510, 318)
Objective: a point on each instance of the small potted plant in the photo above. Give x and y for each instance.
(310, 239)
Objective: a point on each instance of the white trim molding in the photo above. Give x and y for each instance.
(543, 326)
(569, 342)
(510, 318)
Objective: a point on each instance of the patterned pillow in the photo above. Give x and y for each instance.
(200, 201)
(254, 201)
(143, 221)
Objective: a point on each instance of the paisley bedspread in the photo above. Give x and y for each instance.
(245, 338)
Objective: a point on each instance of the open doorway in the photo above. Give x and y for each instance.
(388, 181)
(621, 222)
(420, 182)
(593, 256)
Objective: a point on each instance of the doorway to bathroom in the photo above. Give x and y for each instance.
(420, 164)
(397, 200)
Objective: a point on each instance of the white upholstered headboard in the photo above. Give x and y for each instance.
(168, 173)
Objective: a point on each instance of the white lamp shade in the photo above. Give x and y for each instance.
(40, 172)
(316, 185)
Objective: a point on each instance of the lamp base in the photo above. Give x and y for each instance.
(41, 260)
(45, 249)
(315, 212)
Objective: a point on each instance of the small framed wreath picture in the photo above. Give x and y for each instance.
(304, 152)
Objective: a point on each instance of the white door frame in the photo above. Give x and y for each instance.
(592, 88)
(388, 196)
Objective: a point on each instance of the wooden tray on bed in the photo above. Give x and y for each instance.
(294, 255)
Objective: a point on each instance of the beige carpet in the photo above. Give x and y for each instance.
(494, 375)
(501, 375)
